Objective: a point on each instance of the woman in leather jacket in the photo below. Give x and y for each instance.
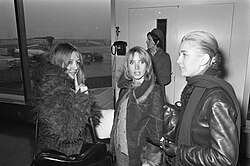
(139, 113)
(208, 129)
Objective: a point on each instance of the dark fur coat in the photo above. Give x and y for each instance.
(62, 113)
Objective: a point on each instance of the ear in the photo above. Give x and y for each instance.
(205, 59)
(157, 42)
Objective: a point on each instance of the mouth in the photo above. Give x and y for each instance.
(181, 67)
(137, 73)
(72, 73)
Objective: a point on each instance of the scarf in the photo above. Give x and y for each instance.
(200, 83)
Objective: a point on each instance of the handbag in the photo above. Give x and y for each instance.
(171, 118)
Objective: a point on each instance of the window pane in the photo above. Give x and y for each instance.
(11, 87)
(84, 23)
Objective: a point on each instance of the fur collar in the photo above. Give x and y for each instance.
(141, 93)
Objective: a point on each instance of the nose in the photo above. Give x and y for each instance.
(179, 60)
(137, 66)
(74, 66)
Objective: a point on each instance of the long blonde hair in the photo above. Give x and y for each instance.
(61, 55)
(144, 56)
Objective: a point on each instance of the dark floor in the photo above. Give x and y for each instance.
(17, 143)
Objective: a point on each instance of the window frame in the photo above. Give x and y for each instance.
(20, 98)
(22, 42)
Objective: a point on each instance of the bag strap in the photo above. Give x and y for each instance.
(184, 133)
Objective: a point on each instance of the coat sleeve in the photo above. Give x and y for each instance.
(151, 154)
(224, 138)
(163, 69)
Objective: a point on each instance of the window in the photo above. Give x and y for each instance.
(84, 23)
(11, 85)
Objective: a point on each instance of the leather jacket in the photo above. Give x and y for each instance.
(214, 135)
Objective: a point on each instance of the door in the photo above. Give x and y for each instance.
(216, 19)
(143, 20)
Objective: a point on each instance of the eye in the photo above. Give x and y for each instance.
(70, 62)
(131, 62)
(185, 54)
(142, 62)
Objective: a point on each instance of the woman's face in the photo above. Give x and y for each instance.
(189, 61)
(150, 42)
(136, 67)
(73, 66)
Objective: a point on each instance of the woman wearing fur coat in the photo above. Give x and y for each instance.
(61, 100)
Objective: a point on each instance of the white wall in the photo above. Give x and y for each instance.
(239, 52)
(240, 36)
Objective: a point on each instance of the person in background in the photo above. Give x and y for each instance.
(208, 130)
(138, 113)
(160, 59)
(61, 100)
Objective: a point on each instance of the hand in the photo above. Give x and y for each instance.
(169, 148)
(111, 152)
(82, 87)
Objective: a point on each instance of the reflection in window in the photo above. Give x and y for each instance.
(10, 66)
(86, 24)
